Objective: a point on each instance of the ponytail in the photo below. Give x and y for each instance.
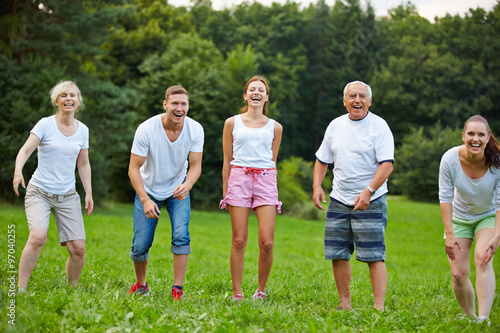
(492, 152)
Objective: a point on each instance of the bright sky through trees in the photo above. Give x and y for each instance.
(426, 8)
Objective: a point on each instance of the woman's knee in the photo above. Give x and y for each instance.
(239, 243)
(266, 245)
(37, 238)
(460, 275)
(481, 266)
(76, 249)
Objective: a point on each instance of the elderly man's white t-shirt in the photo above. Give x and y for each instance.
(356, 148)
(166, 162)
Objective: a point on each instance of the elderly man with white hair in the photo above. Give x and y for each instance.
(361, 147)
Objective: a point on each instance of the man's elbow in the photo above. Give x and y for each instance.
(130, 172)
(197, 170)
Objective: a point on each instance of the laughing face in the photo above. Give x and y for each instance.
(68, 100)
(475, 137)
(176, 107)
(357, 101)
(256, 94)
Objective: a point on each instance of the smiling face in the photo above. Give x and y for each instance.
(176, 107)
(475, 137)
(68, 100)
(256, 94)
(357, 101)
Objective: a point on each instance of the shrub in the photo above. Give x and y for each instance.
(416, 170)
(295, 178)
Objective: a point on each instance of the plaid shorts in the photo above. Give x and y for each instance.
(365, 230)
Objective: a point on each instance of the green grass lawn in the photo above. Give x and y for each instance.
(301, 287)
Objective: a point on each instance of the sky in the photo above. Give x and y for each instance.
(426, 8)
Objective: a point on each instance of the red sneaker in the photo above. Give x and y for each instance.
(177, 294)
(139, 290)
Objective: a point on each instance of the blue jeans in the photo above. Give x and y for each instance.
(144, 228)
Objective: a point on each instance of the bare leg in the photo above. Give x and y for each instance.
(266, 215)
(31, 253)
(485, 276)
(140, 271)
(342, 274)
(180, 266)
(239, 224)
(76, 260)
(378, 278)
(460, 268)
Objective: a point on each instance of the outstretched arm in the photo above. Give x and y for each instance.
(85, 172)
(451, 239)
(24, 153)
(319, 174)
(150, 208)
(227, 148)
(181, 192)
(278, 133)
(492, 247)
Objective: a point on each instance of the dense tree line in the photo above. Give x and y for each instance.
(427, 78)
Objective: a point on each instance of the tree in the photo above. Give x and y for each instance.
(68, 37)
(143, 28)
(474, 40)
(416, 171)
(124, 53)
(217, 26)
(422, 83)
(295, 177)
(25, 99)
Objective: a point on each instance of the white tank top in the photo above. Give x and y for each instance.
(252, 147)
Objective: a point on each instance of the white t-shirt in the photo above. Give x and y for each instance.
(57, 155)
(471, 198)
(356, 148)
(166, 162)
(253, 147)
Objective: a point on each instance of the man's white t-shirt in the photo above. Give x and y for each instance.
(356, 148)
(57, 156)
(166, 162)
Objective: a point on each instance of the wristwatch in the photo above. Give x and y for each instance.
(372, 191)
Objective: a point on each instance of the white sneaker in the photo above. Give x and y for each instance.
(237, 298)
(482, 319)
(259, 295)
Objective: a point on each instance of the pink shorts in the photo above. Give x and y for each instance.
(251, 187)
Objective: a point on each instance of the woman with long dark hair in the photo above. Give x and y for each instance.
(469, 193)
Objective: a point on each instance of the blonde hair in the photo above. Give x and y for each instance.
(175, 90)
(61, 87)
